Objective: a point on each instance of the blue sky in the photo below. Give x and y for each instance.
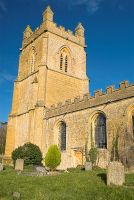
(109, 31)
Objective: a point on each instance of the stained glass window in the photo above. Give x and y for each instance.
(100, 131)
(62, 136)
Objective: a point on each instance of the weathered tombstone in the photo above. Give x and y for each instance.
(19, 165)
(88, 166)
(1, 167)
(41, 171)
(16, 195)
(115, 173)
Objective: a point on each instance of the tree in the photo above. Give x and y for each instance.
(3, 131)
(31, 154)
(115, 151)
(53, 157)
(93, 153)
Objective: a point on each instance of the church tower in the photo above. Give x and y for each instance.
(52, 69)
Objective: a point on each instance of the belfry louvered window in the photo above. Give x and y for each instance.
(63, 136)
(64, 60)
(32, 62)
(100, 131)
(66, 63)
(61, 61)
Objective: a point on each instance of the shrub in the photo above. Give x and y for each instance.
(115, 151)
(29, 152)
(93, 153)
(32, 154)
(126, 153)
(53, 157)
(17, 153)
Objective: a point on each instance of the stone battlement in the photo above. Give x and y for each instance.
(50, 26)
(124, 91)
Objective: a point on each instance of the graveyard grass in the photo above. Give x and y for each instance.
(75, 185)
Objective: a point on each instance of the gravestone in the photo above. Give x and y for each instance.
(1, 167)
(88, 166)
(115, 173)
(41, 171)
(16, 195)
(19, 165)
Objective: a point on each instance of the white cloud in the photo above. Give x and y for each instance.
(3, 7)
(7, 77)
(92, 5)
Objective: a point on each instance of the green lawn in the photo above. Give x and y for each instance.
(76, 185)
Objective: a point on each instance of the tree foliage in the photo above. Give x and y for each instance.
(53, 157)
(93, 153)
(3, 131)
(115, 150)
(31, 154)
(127, 152)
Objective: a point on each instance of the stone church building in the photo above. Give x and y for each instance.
(52, 103)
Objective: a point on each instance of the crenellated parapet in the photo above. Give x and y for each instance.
(124, 91)
(50, 26)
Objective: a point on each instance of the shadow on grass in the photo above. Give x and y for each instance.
(103, 177)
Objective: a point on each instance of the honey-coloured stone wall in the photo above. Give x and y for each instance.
(41, 82)
(46, 93)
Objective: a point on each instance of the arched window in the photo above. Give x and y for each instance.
(32, 59)
(65, 59)
(100, 131)
(130, 113)
(61, 61)
(66, 63)
(62, 136)
(32, 63)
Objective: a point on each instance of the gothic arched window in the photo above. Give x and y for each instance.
(66, 63)
(64, 59)
(32, 63)
(62, 136)
(130, 113)
(100, 131)
(32, 59)
(61, 61)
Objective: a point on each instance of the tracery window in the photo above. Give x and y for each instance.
(64, 59)
(32, 59)
(66, 63)
(62, 136)
(100, 131)
(32, 63)
(61, 61)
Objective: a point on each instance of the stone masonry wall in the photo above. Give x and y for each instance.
(79, 119)
(112, 95)
(61, 87)
(44, 96)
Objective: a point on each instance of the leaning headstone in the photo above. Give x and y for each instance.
(19, 165)
(16, 195)
(1, 167)
(41, 171)
(115, 173)
(88, 166)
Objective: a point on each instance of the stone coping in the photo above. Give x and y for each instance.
(124, 91)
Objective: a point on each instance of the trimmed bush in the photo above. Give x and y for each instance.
(32, 154)
(53, 157)
(115, 151)
(29, 152)
(17, 153)
(93, 153)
